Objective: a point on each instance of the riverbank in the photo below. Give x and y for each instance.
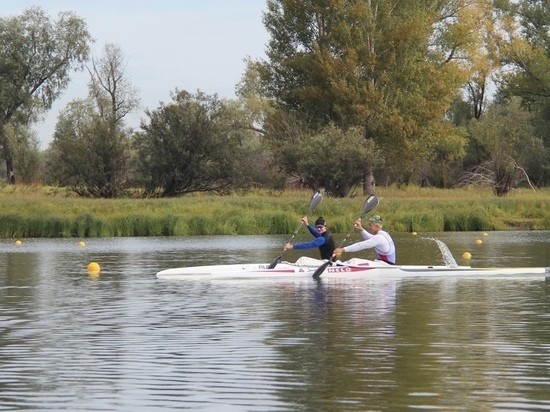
(35, 211)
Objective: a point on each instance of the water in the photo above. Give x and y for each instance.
(448, 258)
(125, 340)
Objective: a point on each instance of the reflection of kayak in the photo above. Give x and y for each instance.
(352, 269)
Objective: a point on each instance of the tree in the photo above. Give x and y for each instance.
(249, 112)
(91, 146)
(110, 88)
(506, 134)
(391, 68)
(329, 158)
(470, 33)
(252, 96)
(37, 56)
(449, 153)
(83, 154)
(526, 51)
(25, 152)
(189, 145)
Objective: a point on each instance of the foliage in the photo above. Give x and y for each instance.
(250, 110)
(349, 90)
(331, 158)
(447, 160)
(86, 155)
(190, 145)
(25, 152)
(252, 153)
(255, 105)
(506, 135)
(527, 53)
(36, 58)
(91, 148)
(479, 35)
(392, 68)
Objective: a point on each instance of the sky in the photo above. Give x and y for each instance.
(185, 44)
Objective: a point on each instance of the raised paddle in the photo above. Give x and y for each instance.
(370, 203)
(315, 200)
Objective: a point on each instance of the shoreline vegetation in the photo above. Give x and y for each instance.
(36, 211)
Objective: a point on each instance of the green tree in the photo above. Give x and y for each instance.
(192, 144)
(37, 56)
(249, 112)
(448, 156)
(25, 152)
(90, 151)
(329, 158)
(527, 52)
(507, 136)
(471, 34)
(83, 155)
(255, 105)
(393, 68)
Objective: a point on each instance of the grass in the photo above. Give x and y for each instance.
(36, 211)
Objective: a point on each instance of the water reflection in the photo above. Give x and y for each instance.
(476, 336)
(337, 343)
(128, 341)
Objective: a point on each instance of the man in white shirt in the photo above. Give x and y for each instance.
(375, 238)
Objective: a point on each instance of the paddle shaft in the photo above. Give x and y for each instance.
(296, 231)
(315, 200)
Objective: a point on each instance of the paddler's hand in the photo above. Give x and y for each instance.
(338, 251)
(288, 246)
(357, 225)
(305, 222)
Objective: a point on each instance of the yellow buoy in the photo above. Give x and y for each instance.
(81, 243)
(485, 234)
(17, 242)
(93, 267)
(467, 255)
(479, 242)
(414, 233)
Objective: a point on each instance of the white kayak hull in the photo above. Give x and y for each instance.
(360, 269)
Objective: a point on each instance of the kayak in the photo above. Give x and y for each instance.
(352, 269)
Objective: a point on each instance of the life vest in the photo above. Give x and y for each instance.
(327, 249)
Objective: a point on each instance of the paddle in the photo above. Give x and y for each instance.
(315, 200)
(370, 203)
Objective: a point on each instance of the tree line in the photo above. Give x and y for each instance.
(351, 94)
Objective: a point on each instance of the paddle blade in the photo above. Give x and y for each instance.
(318, 272)
(370, 203)
(275, 262)
(315, 200)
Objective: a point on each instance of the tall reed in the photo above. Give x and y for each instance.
(37, 213)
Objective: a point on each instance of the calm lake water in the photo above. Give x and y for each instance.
(127, 341)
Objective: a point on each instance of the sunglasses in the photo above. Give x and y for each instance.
(319, 226)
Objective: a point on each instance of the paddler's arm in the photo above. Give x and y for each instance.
(320, 241)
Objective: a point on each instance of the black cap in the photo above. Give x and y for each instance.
(320, 222)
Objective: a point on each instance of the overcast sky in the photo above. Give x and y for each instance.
(186, 44)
